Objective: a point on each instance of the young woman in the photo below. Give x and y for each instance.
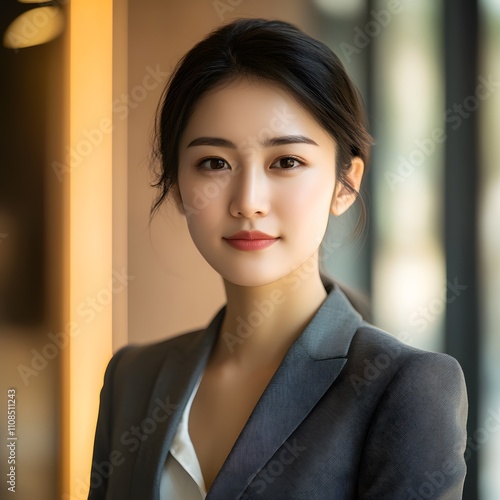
(288, 393)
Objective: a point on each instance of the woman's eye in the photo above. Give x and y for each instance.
(213, 164)
(287, 163)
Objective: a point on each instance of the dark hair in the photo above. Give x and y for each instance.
(275, 51)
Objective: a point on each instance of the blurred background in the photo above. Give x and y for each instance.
(82, 272)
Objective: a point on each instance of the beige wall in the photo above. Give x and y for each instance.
(173, 289)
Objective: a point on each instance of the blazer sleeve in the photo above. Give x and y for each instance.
(102, 440)
(415, 445)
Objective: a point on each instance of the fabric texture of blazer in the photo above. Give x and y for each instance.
(350, 413)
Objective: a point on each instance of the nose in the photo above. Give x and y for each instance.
(250, 196)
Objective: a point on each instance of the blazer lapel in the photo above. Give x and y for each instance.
(174, 384)
(309, 368)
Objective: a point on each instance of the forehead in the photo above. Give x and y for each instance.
(246, 108)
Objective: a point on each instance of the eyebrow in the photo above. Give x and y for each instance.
(288, 139)
(267, 143)
(212, 141)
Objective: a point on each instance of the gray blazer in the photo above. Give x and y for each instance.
(350, 413)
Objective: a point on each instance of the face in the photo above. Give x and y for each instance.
(252, 159)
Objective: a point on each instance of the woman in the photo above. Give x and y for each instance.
(288, 393)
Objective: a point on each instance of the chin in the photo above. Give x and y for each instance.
(250, 279)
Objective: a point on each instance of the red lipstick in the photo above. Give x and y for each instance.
(250, 240)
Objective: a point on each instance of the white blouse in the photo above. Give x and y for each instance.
(181, 477)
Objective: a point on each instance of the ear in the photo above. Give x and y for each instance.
(176, 196)
(343, 198)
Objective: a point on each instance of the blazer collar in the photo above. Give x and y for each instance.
(309, 368)
(185, 360)
(330, 332)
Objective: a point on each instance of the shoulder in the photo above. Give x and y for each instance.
(418, 407)
(373, 345)
(139, 363)
(154, 352)
(379, 361)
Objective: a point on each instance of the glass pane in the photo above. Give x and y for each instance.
(409, 285)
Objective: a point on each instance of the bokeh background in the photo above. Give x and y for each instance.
(82, 272)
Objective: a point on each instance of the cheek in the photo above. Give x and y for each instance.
(307, 204)
(203, 205)
(194, 193)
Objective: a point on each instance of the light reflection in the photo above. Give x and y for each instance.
(34, 27)
(409, 294)
(409, 283)
(340, 7)
(413, 87)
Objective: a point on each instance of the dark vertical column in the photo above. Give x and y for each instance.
(462, 334)
(368, 187)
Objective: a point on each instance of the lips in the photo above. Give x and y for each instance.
(250, 235)
(250, 240)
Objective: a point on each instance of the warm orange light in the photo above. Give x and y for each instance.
(90, 232)
(34, 27)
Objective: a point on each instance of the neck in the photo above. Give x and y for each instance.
(262, 322)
